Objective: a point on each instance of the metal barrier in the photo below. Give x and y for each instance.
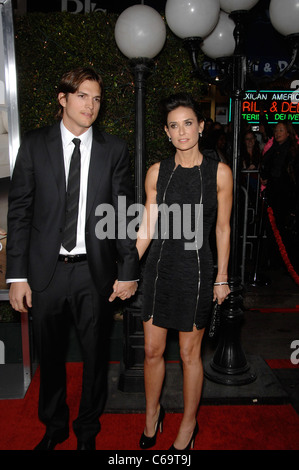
(253, 228)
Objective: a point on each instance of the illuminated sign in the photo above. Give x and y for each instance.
(274, 105)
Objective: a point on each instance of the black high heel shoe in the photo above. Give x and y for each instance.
(147, 442)
(190, 444)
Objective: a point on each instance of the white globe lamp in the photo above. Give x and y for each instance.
(284, 16)
(220, 42)
(237, 5)
(192, 18)
(140, 32)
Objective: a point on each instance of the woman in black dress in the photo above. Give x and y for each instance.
(178, 278)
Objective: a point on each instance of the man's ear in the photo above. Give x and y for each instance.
(62, 99)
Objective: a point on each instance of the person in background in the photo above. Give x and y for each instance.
(250, 152)
(206, 134)
(280, 176)
(219, 138)
(251, 158)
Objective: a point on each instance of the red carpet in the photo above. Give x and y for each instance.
(279, 309)
(253, 427)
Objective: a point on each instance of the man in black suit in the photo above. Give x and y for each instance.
(57, 263)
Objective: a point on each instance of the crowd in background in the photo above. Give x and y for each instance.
(270, 154)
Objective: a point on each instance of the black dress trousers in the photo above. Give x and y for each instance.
(71, 295)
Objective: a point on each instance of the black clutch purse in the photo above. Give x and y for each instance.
(215, 320)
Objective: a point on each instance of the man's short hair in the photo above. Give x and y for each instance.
(71, 81)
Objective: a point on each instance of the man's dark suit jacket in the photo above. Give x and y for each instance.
(37, 209)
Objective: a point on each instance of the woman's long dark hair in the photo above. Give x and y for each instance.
(255, 158)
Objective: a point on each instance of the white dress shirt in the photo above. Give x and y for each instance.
(85, 149)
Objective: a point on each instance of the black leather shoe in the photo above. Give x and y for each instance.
(48, 443)
(86, 445)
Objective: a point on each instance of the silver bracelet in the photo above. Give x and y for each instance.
(220, 283)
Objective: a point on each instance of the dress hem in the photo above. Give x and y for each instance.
(184, 330)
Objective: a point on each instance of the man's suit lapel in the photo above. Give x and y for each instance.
(96, 167)
(98, 162)
(54, 145)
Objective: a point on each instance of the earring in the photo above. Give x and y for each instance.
(169, 138)
(200, 134)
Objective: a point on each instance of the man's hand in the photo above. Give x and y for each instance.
(20, 296)
(123, 290)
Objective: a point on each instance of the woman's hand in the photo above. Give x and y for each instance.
(221, 293)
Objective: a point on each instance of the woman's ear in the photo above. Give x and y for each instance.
(167, 132)
(201, 127)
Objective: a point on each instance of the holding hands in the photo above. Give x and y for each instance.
(123, 289)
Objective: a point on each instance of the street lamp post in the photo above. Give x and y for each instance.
(140, 34)
(141, 68)
(224, 43)
(229, 365)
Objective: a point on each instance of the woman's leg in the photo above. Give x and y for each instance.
(190, 350)
(154, 372)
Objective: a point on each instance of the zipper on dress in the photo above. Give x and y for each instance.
(196, 246)
(162, 244)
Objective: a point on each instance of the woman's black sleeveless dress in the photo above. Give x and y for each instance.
(178, 282)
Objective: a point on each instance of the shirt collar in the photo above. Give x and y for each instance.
(67, 136)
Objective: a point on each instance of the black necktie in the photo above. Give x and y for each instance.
(72, 199)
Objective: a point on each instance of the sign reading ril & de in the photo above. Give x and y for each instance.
(274, 105)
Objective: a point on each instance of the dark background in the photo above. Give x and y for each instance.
(262, 41)
(113, 6)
